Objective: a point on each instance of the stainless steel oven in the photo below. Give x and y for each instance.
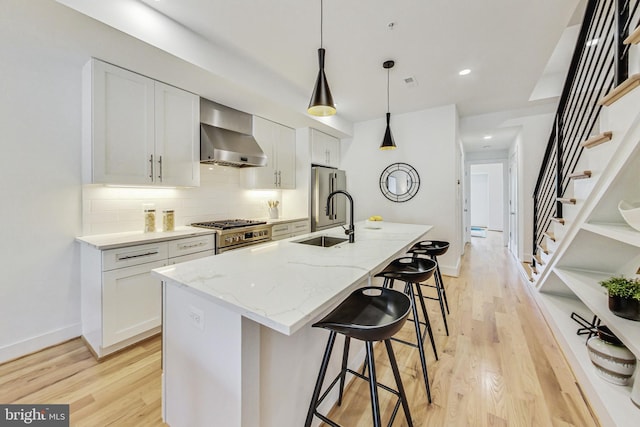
(237, 233)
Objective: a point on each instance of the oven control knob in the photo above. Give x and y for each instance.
(228, 240)
(236, 238)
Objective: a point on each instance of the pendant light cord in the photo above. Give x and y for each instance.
(388, 89)
(321, 18)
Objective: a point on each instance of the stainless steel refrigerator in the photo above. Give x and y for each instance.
(323, 182)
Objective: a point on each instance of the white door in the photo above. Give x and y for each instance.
(479, 199)
(513, 205)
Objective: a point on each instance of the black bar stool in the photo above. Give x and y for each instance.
(412, 271)
(432, 249)
(369, 314)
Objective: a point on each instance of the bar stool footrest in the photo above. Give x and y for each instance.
(365, 378)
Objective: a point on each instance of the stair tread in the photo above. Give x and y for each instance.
(621, 90)
(530, 270)
(556, 219)
(538, 259)
(568, 200)
(581, 175)
(543, 249)
(597, 140)
(634, 37)
(550, 235)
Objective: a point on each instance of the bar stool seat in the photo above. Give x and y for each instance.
(369, 314)
(412, 271)
(433, 249)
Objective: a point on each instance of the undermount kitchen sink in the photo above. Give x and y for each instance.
(322, 241)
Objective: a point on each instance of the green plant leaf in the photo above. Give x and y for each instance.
(622, 287)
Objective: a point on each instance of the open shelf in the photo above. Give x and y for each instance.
(584, 284)
(611, 402)
(617, 231)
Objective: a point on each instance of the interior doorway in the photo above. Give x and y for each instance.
(487, 197)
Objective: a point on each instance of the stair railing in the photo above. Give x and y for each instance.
(600, 62)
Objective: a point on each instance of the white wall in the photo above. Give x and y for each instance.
(531, 144)
(428, 141)
(495, 195)
(44, 46)
(220, 196)
(40, 190)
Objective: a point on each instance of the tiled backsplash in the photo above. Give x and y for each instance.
(220, 196)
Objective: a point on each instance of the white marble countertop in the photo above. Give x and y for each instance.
(284, 285)
(283, 220)
(119, 240)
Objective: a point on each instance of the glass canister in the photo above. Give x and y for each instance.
(168, 220)
(149, 220)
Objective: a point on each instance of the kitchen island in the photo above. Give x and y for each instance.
(238, 348)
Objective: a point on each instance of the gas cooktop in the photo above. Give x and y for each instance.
(227, 224)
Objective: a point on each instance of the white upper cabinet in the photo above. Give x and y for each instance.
(138, 131)
(325, 149)
(279, 144)
(177, 142)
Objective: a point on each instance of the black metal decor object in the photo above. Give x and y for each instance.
(387, 142)
(394, 189)
(321, 103)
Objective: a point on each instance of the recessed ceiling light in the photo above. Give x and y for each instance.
(487, 137)
(464, 72)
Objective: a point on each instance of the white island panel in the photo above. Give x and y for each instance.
(238, 348)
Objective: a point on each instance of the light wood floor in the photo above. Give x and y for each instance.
(500, 366)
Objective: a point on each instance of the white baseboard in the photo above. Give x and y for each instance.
(31, 345)
(453, 271)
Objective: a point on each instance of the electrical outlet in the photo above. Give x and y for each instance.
(197, 317)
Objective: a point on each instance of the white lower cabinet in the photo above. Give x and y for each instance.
(131, 302)
(289, 229)
(121, 300)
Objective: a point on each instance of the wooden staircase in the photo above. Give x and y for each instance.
(592, 242)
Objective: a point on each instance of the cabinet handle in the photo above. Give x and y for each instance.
(275, 178)
(195, 245)
(160, 164)
(280, 179)
(126, 257)
(151, 162)
(301, 226)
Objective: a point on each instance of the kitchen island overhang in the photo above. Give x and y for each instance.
(237, 341)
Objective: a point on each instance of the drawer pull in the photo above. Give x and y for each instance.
(301, 226)
(126, 257)
(195, 245)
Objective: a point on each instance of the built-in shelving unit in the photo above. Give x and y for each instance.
(598, 244)
(611, 402)
(585, 285)
(619, 231)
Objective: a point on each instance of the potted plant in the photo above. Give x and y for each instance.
(624, 296)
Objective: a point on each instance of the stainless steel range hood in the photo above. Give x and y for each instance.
(226, 137)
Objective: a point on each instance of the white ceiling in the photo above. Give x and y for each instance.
(506, 43)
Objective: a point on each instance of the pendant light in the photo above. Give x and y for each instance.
(387, 141)
(321, 103)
